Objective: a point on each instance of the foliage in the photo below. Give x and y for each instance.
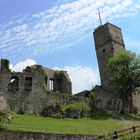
(59, 76)
(93, 95)
(93, 98)
(99, 114)
(125, 70)
(73, 110)
(131, 136)
(46, 72)
(52, 110)
(6, 64)
(76, 110)
(4, 118)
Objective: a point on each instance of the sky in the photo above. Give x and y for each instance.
(59, 34)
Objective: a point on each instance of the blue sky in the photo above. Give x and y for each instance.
(59, 34)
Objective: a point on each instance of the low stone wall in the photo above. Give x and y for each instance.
(13, 135)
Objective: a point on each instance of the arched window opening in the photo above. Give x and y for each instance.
(13, 85)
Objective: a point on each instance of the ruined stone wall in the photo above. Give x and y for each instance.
(37, 102)
(105, 99)
(30, 90)
(11, 135)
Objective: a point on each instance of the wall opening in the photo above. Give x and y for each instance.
(103, 50)
(28, 83)
(46, 80)
(51, 84)
(13, 86)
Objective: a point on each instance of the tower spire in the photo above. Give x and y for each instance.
(99, 17)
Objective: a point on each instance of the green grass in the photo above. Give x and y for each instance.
(131, 136)
(68, 126)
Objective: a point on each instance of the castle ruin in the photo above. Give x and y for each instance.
(37, 87)
(27, 88)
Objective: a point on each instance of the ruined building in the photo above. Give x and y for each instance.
(28, 87)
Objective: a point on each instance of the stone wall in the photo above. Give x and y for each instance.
(11, 135)
(106, 99)
(32, 89)
(3, 104)
(36, 102)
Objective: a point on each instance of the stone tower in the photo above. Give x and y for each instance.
(108, 41)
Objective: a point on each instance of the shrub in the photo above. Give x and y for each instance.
(93, 98)
(99, 114)
(76, 110)
(4, 119)
(73, 110)
(52, 110)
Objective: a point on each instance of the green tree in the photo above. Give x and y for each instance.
(125, 70)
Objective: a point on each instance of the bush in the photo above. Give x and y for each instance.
(4, 119)
(93, 99)
(76, 110)
(52, 111)
(99, 114)
(73, 110)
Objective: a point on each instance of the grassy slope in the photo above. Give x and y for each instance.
(69, 126)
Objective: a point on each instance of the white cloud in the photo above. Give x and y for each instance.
(22, 65)
(50, 30)
(82, 77)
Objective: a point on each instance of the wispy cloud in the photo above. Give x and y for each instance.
(60, 26)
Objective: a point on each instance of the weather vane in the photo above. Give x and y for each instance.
(99, 17)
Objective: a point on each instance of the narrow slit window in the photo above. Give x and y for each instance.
(46, 80)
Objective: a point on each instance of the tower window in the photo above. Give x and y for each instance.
(103, 50)
(28, 83)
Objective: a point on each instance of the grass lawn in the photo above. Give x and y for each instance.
(68, 126)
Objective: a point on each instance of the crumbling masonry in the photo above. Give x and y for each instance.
(29, 88)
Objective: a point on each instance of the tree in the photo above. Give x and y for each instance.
(125, 76)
